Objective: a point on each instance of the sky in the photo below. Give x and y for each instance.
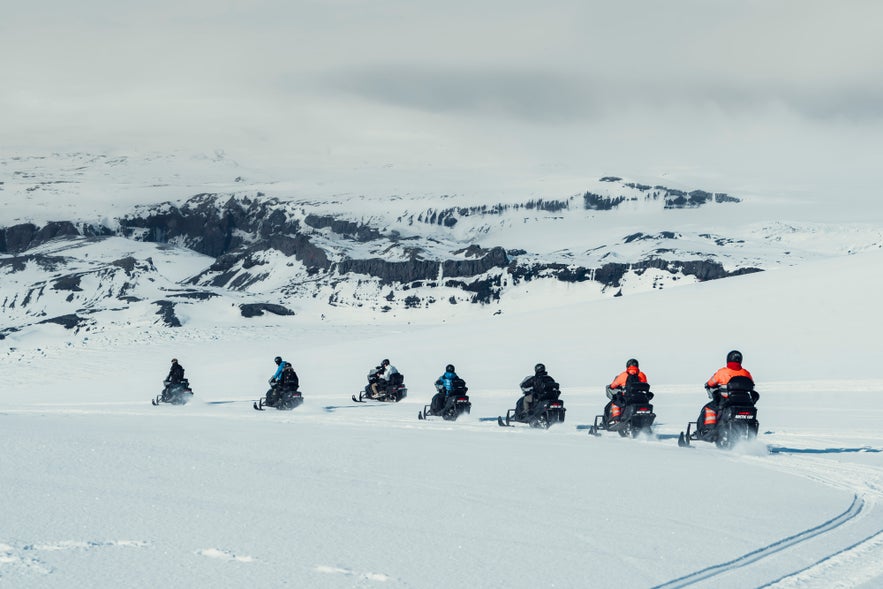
(748, 97)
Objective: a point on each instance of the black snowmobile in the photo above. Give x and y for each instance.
(637, 413)
(177, 393)
(388, 391)
(451, 406)
(547, 408)
(283, 399)
(736, 416)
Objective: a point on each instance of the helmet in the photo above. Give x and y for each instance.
(631, 362)
(385, 362)
(287, 365)
(449, 368)
(278, 360)
(735, 356)
(539, 368)
(174, 360)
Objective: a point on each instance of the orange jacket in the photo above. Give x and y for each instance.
(619, 381)
(723, 376)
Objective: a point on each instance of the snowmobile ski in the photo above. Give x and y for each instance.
(358, 400)
(502, 423)
(683, 441)
(257, 407)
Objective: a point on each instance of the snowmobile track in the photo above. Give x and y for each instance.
(852, 512)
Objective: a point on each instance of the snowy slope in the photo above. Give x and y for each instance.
(100, 486)
(84, 238)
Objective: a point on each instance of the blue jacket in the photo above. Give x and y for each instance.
(279, 370)
(446, 382)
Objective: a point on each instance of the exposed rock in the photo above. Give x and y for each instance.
(71, 321)
(349, 229)
(257, 309)
(300, 247)
(209, 226)
(167, 313)
(598, 202)
(494, 258)
(70, 282)
(127, 264)
(390, 272)
(199, 295)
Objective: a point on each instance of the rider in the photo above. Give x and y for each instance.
(175, 376)
(532, 385)
(708, 413)
(374, 379)
(280, 366)
(288, 380)
(445, 386)
(615, 390)
(382, 374)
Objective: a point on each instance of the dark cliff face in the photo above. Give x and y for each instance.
(238, 231)
(355, 231)
(20, 238)
(416, 270)
(390, 272)
(209, 226)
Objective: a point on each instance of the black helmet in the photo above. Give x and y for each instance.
(287, 365)
(449, 368)
(539, 368)
(631, 362)
(278, 360)
(385, 362)
(174, 360)
(735, 356)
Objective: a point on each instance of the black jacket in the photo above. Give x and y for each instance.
(289, 380)
(176, 373)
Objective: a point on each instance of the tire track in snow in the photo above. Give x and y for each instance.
(852, 512)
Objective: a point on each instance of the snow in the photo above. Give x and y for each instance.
(101, 489)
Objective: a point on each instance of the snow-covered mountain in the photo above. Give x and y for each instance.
(168, 238)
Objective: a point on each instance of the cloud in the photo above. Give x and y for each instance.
(730, 87)
(540, 96)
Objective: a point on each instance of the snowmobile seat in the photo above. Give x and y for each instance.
(740, 383)
(637, 387)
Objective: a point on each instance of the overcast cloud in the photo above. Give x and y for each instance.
(752, 95)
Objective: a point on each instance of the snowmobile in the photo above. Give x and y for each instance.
(547, 409)
(177, 393)
(453, 405)
(736, 416)
(389, 391)
(279, 398)
(637, 413)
